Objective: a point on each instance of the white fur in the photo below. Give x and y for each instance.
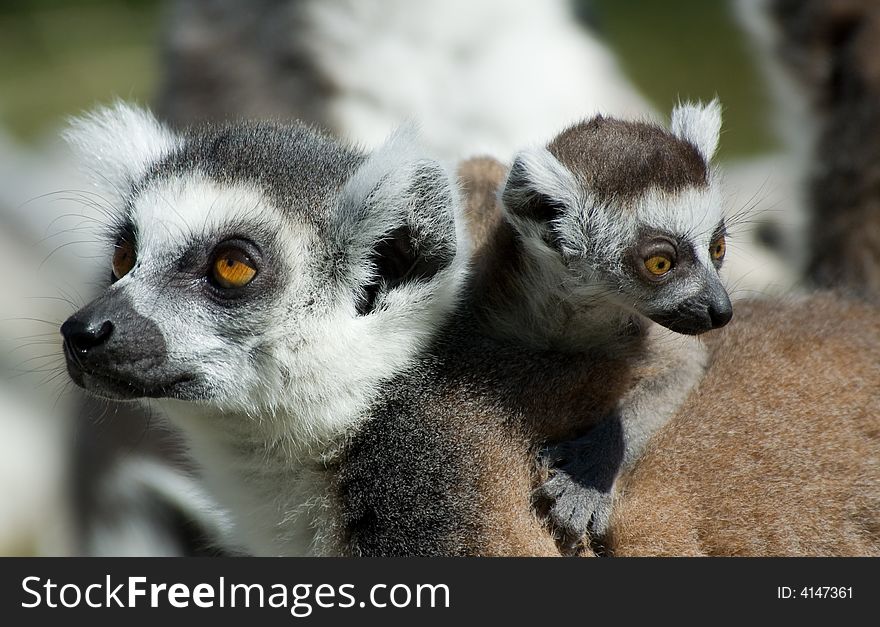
(117, 144)
(403, 146)
(549, 177)
(482, 77)
(698, 124)
(265, 427)
(693, 212)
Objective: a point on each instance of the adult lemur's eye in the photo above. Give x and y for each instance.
(718, 248)
(233, 268)
(123, 259)
(658, 265)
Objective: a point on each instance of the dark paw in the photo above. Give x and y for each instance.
(578, 497)
(575, 511)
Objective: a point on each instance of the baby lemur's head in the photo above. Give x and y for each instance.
(632, 214)
(261, 268)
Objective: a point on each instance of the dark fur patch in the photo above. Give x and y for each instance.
(621, 161)
(398, 260)
(445, 464)
(833, 49)
(225, 60)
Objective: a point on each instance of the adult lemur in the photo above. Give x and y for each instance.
(255, 283)
(614, 227)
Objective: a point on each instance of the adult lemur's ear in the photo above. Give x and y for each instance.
(699, 125)
(539, 190)
(116, 145)
(400, 219)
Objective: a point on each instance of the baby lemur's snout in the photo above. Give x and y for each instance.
(720, 310)
(710, 310)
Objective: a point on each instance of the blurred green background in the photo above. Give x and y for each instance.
(58, 57)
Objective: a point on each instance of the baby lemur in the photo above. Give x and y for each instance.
(610, 239)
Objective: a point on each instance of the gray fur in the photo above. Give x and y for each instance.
(359, 260)
(296, 165)
(225, 60)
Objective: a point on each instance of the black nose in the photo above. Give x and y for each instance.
(720, 312)
(83, 336)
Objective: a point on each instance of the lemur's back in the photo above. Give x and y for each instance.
(776, 454)
(778, 451)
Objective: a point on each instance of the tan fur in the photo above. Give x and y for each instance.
(480, 179)
(777, 452)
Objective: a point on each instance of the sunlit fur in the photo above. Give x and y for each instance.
(278, 380)
(593, 236)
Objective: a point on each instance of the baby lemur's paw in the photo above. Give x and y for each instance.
(578, 497)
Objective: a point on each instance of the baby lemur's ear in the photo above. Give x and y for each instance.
(116, 145)
(699, 125)
(400, 220)
(540, 191)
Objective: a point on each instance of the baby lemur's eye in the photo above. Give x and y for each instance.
(718, 248)
(658, 254)
(233, 268)
(658, 265)
(123, 259)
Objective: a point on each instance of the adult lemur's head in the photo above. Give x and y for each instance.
(633, 213)
(260, 268)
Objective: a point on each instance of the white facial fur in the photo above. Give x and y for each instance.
(276, 380)
(593, 236)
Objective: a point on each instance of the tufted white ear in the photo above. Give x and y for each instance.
(538, 187)
(116, 145)
(698, 124)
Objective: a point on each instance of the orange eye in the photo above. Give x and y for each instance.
(658, 265)
(233, 268)
(123, 259)
(718, 248)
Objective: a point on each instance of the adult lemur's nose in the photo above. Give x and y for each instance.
(82, 336)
